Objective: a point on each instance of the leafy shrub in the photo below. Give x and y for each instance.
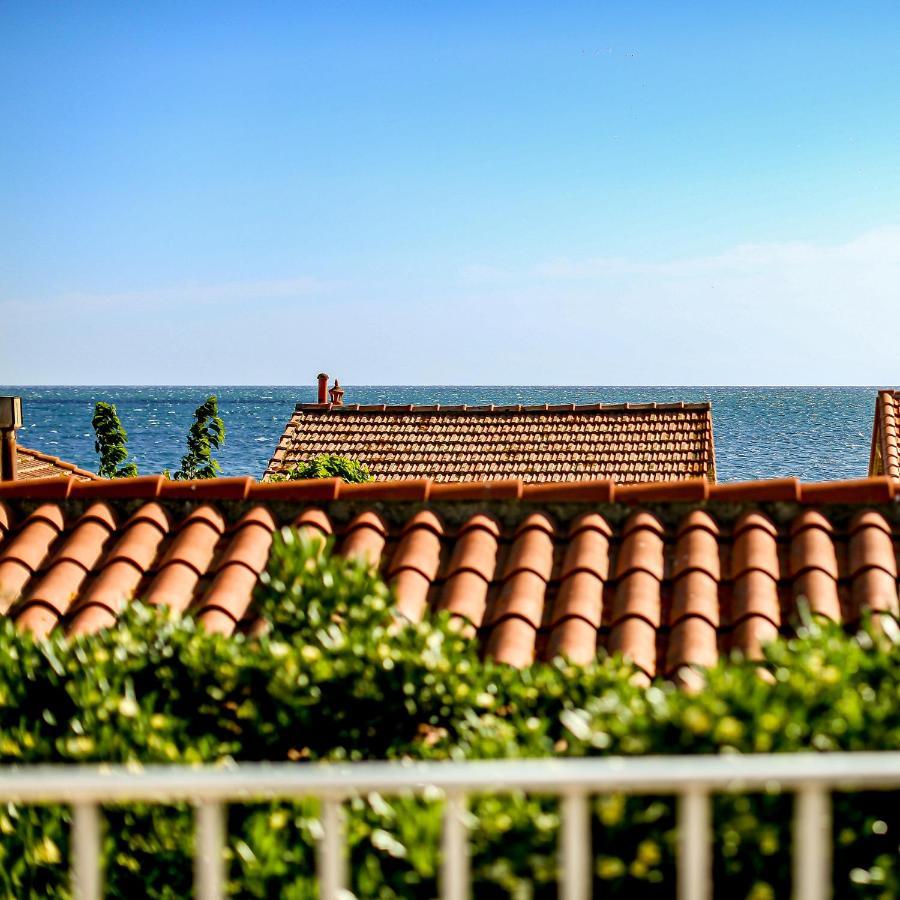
(111, 443)
(206, 434)
(340, 676)
(327, 466)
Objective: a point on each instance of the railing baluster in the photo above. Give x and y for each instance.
(209, 843)
(575, 863)
(87, 881)
(455, 874)
(812, 844)
(332, 860)
(694, 845)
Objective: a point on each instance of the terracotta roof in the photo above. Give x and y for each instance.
(34, 464)
(626, 442)
(671, 574)
(885, 456)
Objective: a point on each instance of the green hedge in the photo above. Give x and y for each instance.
(340, 677)
(327, 465)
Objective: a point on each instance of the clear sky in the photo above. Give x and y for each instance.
(599, 193)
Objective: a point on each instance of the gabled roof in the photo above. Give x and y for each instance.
(627, 442)
(885, 455)
(671, 574)
(34, 464)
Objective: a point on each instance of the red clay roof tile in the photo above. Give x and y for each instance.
(786, 489)
(599, 490)
(694, 617)
(637, 605)
(814, 565)
(862, 490)
(226, 601)
(121, 571)
(635, 638)
(578, 610)
(811, 544)
(532, 549)
(642, 546)
(186, 559)
(56, 589)
(689, 489)
(588, 547)
(754, 547)
(144, 487)
(415, 564)
(296, 491)
(314, 521)
(518, 611)
(755, 595)
(874, 591)
(751, 633)
(408, 489)
(871, 546)
(499, 489)
(692, 643)
(471, 569)
(53, 488)
(697, 546)
(24, 551)
(203, 488)
(365, 538)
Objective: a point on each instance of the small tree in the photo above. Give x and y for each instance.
(206, 434)
(111, 443)
(327, 466)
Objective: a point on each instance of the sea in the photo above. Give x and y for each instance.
(814, 433)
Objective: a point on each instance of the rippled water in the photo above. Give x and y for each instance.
(813, 433)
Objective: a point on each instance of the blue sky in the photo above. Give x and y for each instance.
(458, 193)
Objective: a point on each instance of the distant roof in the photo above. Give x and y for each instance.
(885, 455)
(34, 464)
(627, 442)
(672, 575)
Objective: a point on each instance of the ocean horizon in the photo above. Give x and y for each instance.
(813, 433)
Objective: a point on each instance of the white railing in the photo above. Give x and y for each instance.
(692, 779)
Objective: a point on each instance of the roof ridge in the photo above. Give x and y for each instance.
(399, 408)
(592, 491)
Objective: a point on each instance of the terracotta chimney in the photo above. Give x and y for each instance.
(336, 394)
(10, 420)
(323, 388)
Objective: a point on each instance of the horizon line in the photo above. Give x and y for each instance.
(312, 385)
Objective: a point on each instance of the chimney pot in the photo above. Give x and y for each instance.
(10, 420)
(336, 394)
(323, 388)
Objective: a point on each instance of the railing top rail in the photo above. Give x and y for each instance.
(248, 781)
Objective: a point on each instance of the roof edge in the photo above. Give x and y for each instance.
(710, 435)
(885, 436)
(859, 491)
(56, 461)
